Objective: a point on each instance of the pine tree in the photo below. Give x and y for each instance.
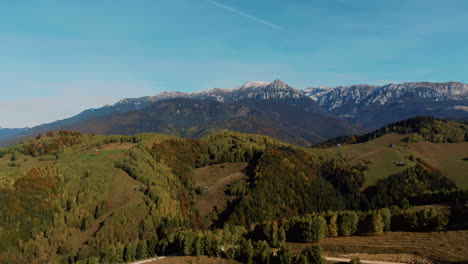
(281, 235)
(142, 250)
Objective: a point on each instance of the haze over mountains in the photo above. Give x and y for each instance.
(296, 116)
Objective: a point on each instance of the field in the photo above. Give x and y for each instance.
(215, 180)
(379, 154)
(382, 157)
(449, 246)
(449, 158)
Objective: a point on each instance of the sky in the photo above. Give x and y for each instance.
(60, 57)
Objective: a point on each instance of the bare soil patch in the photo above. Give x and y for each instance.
(116, 146)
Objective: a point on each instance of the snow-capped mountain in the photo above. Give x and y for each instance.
(279, 107)
(365, 95)
(250, 90)
(274, 109)
(369, 105)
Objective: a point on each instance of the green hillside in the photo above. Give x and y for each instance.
(423, 128)
(441, 144)
(69, 197)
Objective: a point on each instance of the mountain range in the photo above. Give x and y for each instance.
(370, 106)
(300, 117)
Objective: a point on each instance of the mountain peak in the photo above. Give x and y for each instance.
(255, 84)
(279, 84)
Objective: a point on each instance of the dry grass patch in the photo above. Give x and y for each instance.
(116, 146)
(216, 179)
(193, 260)
(450, 246)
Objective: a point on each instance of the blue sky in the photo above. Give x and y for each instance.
(59, 57)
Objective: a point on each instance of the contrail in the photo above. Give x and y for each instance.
(258, 20)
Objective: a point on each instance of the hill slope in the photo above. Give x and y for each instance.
(398, 146)
(68, 197)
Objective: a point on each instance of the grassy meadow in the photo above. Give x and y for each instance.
(382, 158)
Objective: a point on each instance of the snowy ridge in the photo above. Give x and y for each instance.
(250, 90)
(364, 95)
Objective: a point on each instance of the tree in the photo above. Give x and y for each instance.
(333, 226)
(348, 223)
(313, 255)
(247, 253)
(198, 246)
(130, 252)
(281, 235)
(151, 246)
(142, 250)
(372, 223)
(355, 261)
(312, 229)
(386, 218)
(285, 256)
(262, 252)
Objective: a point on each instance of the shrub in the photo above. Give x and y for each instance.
(386, 218)
(425, 220)
(372, 223)
(415, 138)
(348, 223)
(312, 229)
(333, 226)
(313, 255)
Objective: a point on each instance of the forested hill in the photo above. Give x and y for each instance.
(420, 128)
(69, 197)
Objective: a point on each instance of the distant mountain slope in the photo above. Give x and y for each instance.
(298, 121)
(374, 106)
(7, 132)
(274, 109)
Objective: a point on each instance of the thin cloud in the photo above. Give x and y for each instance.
(254, 18)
